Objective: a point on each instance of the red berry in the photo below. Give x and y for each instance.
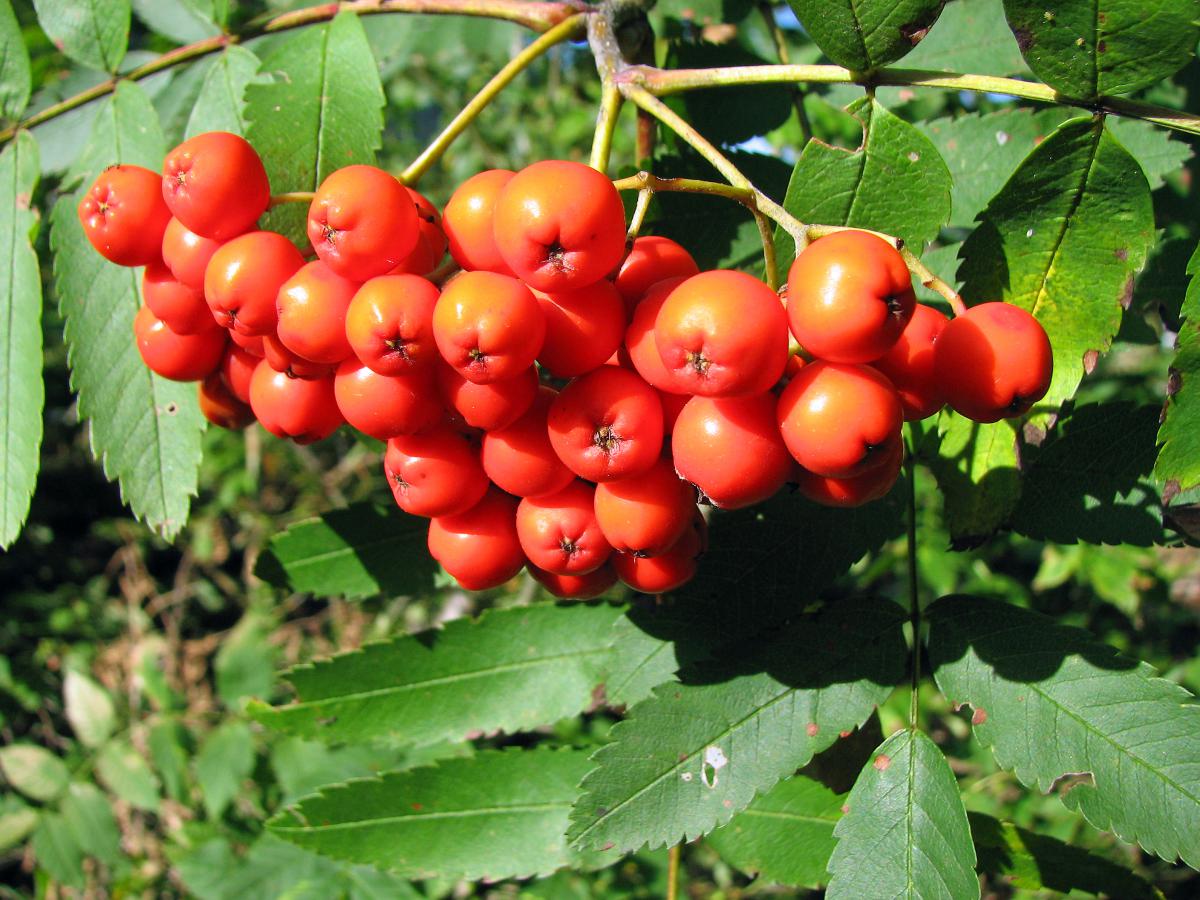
(362, 222)
(488, 326)
(179, 357)
(124, 216)
(237, 368)
(576, 587)
(639, 338)
(244, 276)
(221, 407)
(519, 457)
(180, 306)
(468, 218)
(384, 406)
(436, 473)
(186, 253)
(909, 365)
(559, 532)
(216, 185)
(311, 306)
(857, 489)
(298, 408)
(390, 324)
(431, 239)
(252, 344)
(488, 406)
(647, 513)
(652, 259)
(583, 328)
(281, 359)
(479, 547)
(669, 570)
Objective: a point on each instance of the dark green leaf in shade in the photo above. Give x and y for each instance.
(1090, 480)
(866, 34)
(355, 552)
(785, 836)
(1106, 47)
(34, 771)
(859, 188)
(905, 831)
(145, 430)
(696, 753)
(224, 761)
(219, 106)
(511, 670)
(498, 814)
(730, 115)
(1039, 862)
(183, 21)
(322, 110)
(1156, 149)
(89, 815)
(92, 32)
(976, 469)
(639, 662)
(127, 774)
(1178, 464)
(1051, 701)
(1063, 239)
(970, 36)
(56, 850)
(15, 79)
(22, 392)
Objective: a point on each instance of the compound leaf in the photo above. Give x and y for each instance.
(15, 79)
(219, 105)
(1051, 701)
(690, 757)
(866, 34)
(1063, 239)
(497, 814)
(89, 815)
(92, 32)
(34, 771)
(22, 393)
(511, 670)
(127, 774)
(57, 851)
(976, 468)
(1179, 457)
(905, 831)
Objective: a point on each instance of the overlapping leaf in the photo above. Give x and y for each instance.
(22, 393)
(498, 814)
(92, 32)
(970, 36)
(511, 670)
(1107, 47)
(1062, 240)
(145, 430)
(905, 831)
(976, 469)
(866, 34)
(1051, 701)
(1179, 458)
(219, 105)
(183, 21)
(693, 755)
(15, 79)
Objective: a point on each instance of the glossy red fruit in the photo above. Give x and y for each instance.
(583, 328)
(645, 514)
(672, 405)
(994, 362)
(607, 425)
(909, 365)
(652, 259)
(479, 547)
(216, 185)
(431, 239)
(244, 276)
(560, 225)
(252, 344)
(186, 253)
(576, 587)
(124, 216)
(298, 408)
(639, 338)
(731, 450)
(389, 324)
(666, 571)
(519, 458)
(221, 407)
(467, 221)
(722, 333)
(311, 308)
(281, 359)
(559, 532)
(362, 222)
(849, 297)
(179, 357)
(384, 406)
(488, 406)
(180, 306)
(237, 369)
(487, 326)
(436, 473)
(856, 490)
(838, 419)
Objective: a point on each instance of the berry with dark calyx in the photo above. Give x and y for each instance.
(182, 307)
(576, 587)
(362, 222)
(179, 357)
(303, 409)
(994, 362)
(652, 259)
(124, 216)
(668, 570)
(468, 222)
(489, 406)
(389, 324)
(384, 406)
(487, 326)
(186, 253)
(221, 407)
(645, 515)
(243, 278)
(216, 185)
(909, 365)
(856, 490)
(520, 459)
(583, 328)
(479, 547)
(311, 308)
(849, 297)
(559, 532)
(431, 239)
(435, 473)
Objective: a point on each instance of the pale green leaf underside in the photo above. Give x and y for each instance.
(219, 104)
(1050, 701)
(690, 757)
(1179, 457)
(498, 814)
(15, 78)
(92, 32)
(865, 34)
(905, 830)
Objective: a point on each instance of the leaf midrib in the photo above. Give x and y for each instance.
(422, 817)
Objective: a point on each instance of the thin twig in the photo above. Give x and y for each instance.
(606, 125)
(673, 872)
(291, 197)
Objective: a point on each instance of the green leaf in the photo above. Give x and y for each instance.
(92, 32)
(1063, 239)
(895, 182)
(166, 741)
(696, 753)
(145, 430)
(245, 663)
(89, 709)
(1107, 47)
(511, 670)
(1178, 464)
(21, 350)
(1038, 862)
(1090, 480)
(976, 469)
(1157, 152)
(183, 21)
(729, 116)
(321, 111)
(970, 36)
(905, 831)
(127, 774)
(15, 80)
(1052, 701)
(866, 34)
(57, 851)
(639, 661)
(224, 761)
(17, 820)
(498, 814)
(34, 771)
(219, 106)
(785, 836)
(359, 551)
(89, 816)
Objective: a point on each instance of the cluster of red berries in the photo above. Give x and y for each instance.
(562, 401)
